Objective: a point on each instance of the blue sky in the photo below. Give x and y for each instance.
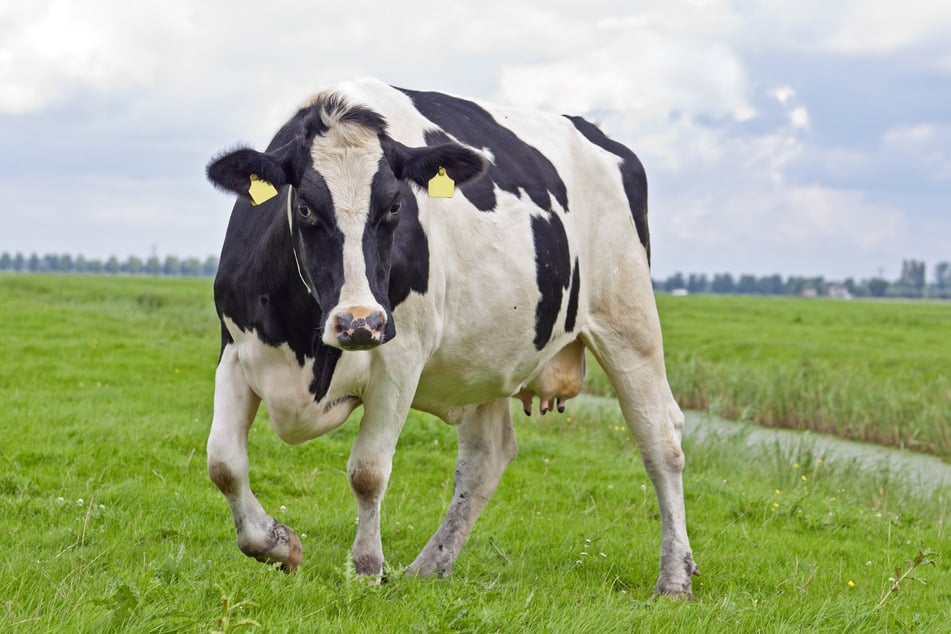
(800, 138)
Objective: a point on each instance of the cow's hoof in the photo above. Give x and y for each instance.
(674, 595)
(678, 590)
(427, 569)
(281, 547)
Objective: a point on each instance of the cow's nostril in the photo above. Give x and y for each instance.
(376, 321)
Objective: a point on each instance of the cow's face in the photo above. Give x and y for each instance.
(343, 209)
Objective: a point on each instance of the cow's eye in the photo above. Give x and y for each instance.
(392, 216)
(305, 212)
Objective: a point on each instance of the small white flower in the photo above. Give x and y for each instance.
(283, 509)
(79, 502)
(868, 563)
(60, 500)
(602, 554)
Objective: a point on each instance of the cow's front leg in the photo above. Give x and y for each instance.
(259, 535)
(369, 467)
(486, 446)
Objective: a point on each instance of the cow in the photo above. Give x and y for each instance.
(397, 249)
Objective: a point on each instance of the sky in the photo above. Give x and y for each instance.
(800, 138)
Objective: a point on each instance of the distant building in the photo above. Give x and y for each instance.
(837, 290)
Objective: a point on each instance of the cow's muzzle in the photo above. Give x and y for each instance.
(358, 328)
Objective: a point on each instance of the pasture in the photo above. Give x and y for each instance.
(875, 371)
(108, 521)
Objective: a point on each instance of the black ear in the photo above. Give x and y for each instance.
(232, 170)
(422, 163)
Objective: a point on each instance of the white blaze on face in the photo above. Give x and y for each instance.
(348, 156)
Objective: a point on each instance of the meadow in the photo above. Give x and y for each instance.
(108, 521)
(876, 371)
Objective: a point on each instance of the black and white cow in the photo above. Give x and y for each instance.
(353, 286)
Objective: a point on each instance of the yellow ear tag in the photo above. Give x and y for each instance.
(441, 186)
(260, 190)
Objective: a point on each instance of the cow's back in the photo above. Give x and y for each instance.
(516, 258)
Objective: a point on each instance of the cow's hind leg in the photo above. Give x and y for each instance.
(486, 446)
(634, 362)
(259, 535)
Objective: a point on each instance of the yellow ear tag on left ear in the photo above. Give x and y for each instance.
(441, 186)
(260, 190)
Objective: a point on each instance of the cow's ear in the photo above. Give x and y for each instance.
(232, 170)
(422, 163)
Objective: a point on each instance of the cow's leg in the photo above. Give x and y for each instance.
(369, 467)
(486, 446)
(259, 535)
(634, 362)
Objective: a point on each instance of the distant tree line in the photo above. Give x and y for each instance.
(911, 284)
(132, 265)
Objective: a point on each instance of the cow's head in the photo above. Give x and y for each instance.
(343, 207)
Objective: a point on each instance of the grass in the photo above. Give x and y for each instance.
(874, 371)
(109, 522)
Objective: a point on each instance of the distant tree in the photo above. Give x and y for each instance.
(877, 287)
(722, 283)
(675, 281)
(65, 264)
(210, 265)
(81, 265)
(153, 266)
(19, 262)
(795, 285)
(6, 262)
(913, 274)
(746, 285)
(697, 283)
(134, 265)
(50, 263)
(112, 266)
(191, 267)
(33, 264)
(942, 275)
(770, 285)
(94, 266)
(172, 266)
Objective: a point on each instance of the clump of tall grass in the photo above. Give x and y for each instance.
(811, 396)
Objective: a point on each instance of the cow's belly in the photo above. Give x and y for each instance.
(486, 373)
(273, 373)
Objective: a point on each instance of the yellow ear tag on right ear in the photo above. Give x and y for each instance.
(260, 190)
(441, 186)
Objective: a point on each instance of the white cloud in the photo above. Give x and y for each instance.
(688, 85)
(799, 117)
(783, 94)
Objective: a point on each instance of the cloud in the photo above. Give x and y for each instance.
(638, 65)
(795, 128)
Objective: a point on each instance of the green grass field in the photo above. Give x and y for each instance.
(866, 370)
(108, 520)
